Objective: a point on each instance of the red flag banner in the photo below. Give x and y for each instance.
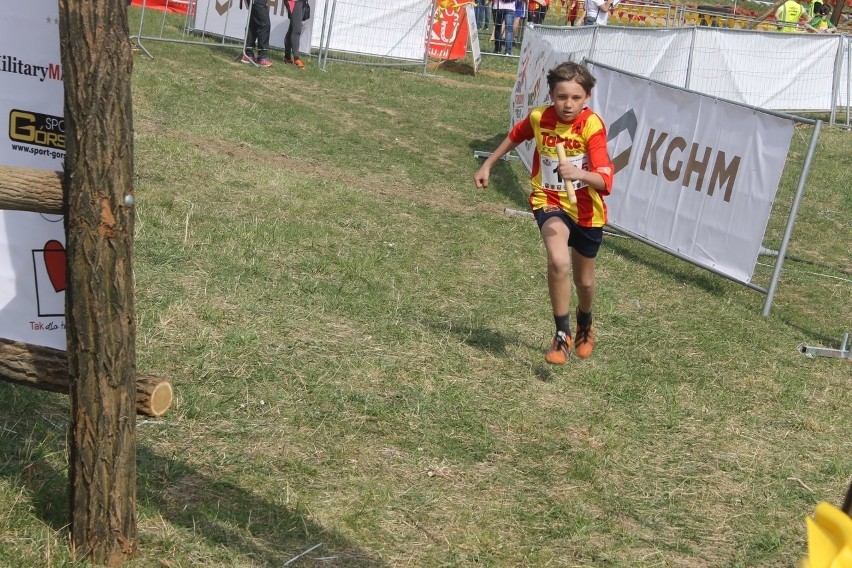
(449, 30)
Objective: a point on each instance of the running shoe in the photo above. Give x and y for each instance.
(559, 349)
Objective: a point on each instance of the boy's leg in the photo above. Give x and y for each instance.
(248, 52)
(554, 234)
(583, 269)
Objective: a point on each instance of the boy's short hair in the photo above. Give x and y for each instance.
(825, 9)
(570, 71)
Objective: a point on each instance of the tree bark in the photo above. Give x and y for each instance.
(46, 369)
(96, 64)
(837, 12)
(24, 189)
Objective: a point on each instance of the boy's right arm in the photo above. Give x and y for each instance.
(484, 171)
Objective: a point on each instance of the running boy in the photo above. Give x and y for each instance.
(572, 233)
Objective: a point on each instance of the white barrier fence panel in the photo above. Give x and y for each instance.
(230, 19)
(391, 30)
(771, 70)
(701, 175)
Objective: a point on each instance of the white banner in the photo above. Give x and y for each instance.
(32, 250)
(230, 18)
(395, 29)
(695, 175)
(749, 67)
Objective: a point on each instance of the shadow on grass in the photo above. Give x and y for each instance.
(493, 342)
(475, 336)
(33, 429)
(813, 338)
(669, 266)
(231, 516)
(706, 281)
(505, 179)
(226, 515)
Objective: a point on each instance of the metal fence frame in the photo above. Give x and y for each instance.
(362, 58)
(586, 47)
(186, 31)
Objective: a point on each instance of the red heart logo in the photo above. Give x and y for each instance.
(54, 261)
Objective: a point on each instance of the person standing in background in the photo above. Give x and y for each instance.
(597, 12)
(504, 17)
(573, 12)
(537, 11)
(821, 23)
(258, 33)
(520, 17)
(790, 13)
(295, 11)
(482, 12)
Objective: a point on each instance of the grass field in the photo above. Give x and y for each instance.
(356, 338)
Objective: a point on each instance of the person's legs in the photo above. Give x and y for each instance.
(263, 27)
(499, 16)
(507, 30)
(251, 33)
(583, 269)
(554, 235)
(516, 25)
(294, 32)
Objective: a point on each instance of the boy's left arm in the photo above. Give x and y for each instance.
(599, 162)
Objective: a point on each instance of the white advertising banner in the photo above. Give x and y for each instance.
(32, 246)
(695, 175)
(395, 29)
(229, 19)
(749, 67)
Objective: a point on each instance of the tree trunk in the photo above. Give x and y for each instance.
(46, 369)
(837, 12)
(96, 64)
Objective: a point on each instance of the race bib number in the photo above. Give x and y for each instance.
(550, 178)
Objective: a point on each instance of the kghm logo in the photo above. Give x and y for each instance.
(626, 123)
(36, 128)
(11, 64)
(699, 162)
(677, 159)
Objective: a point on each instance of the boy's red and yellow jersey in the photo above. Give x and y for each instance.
(585, 144)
